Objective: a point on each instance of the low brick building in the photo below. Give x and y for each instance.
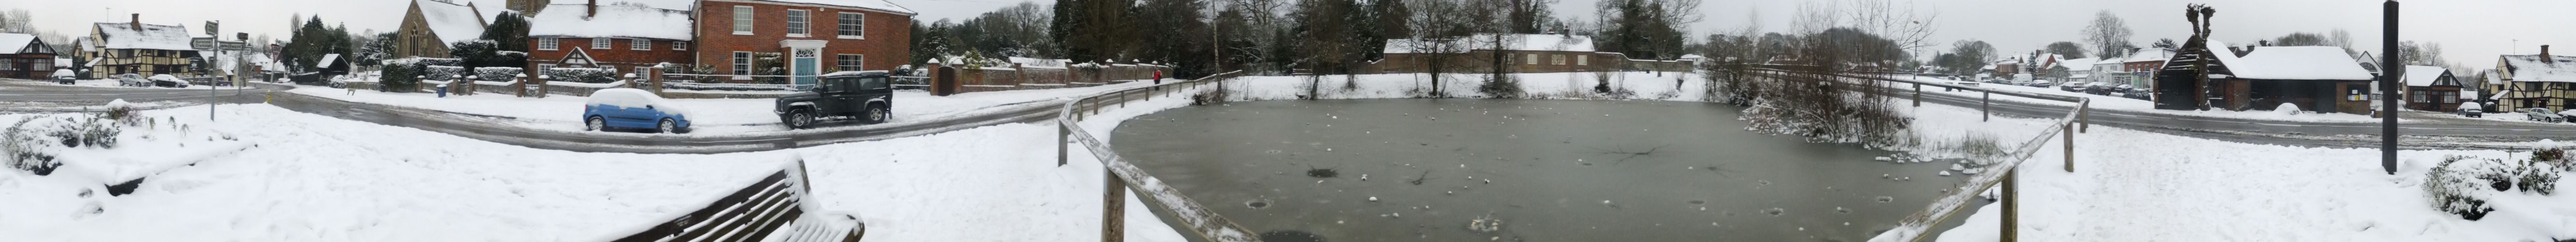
(1518, 53)
(814, 36)
(2315, 78)
(627, 38)
(2431, 88)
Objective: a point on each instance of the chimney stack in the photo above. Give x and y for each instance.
(2544, 55)
(594, 9)
(138, 23)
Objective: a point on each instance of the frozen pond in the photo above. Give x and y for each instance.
(1547, 170)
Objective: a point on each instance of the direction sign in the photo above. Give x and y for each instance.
(210, 28)
(202, 43)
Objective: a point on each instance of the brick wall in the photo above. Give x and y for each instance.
(886, 43)
(1480, 61)
(1030, 78)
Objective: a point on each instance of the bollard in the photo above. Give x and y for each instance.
(1122, 97)
(2012, 208)
(2085, 116)
(1986, 107)
(1113, 207)
(2070, 148)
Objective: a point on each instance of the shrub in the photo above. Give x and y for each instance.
(2555, 157)
(31, 143)
(581, 75)
(2456, 186)
(497, 74)
(443, 73)
(1500, 86)
(400, 75)
(1821, 110)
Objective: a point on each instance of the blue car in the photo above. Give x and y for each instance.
(629, 108)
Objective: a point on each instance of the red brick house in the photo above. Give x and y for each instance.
(624, 37)
(24, 56)
(2431, 88)
(816, 36)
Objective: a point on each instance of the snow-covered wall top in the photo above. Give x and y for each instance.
(2423, 76)
(613, 21)
(2528, 68)
(2293, 63)
(452, 23)
(151, 37)
(1520, 42)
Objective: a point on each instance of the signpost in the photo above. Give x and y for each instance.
(213, 94)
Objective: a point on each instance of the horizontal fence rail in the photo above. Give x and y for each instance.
(1194, 217)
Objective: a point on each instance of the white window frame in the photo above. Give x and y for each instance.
(679, 45)
(800, 23)
(643, 70)
(860, 27)
(640, 44)
(1583, 60)
(742, 20)
(546, 44)
(602, 43)
(541, 68)
(1533, 59)
(741, 63)
(1556, 60)
(860, 66)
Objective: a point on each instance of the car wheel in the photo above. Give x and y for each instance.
(670, 127)
(595, 124)
(800, 119)
(879, 114)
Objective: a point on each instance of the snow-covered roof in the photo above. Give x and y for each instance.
(2083, 62)
(1515, 42)
(2149, 55)
(151, 37)
(879, 5)
(11, 43)
(2493, 78)
(2423, 76)
(2528, 68)
(2293, 63)
(613, 21)
(452, 23)
(326, 60)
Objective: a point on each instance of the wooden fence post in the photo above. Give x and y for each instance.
(1986, 107)
(2070, 147)
(1061, 134)
(1113, 207)
(2012, 207)
(1918, 94)
(2085, 116)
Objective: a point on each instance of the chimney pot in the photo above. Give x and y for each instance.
(137, 22)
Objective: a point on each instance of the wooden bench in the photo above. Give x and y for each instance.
(756, 212)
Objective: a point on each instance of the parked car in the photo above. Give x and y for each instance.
(2542, 114)
(2472, 110)
(2071, 87)
(2567, 115)
(63, 76)
(165, 80)
(132, 80)
(629, 108)
(850, 94)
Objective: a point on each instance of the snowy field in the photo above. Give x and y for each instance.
(268, 174)
(709, 117)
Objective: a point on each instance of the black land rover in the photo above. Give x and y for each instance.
(866, 95)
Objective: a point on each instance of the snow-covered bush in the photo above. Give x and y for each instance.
(581, 75)
(2537, 177)
(2458, 185)
(1501, 86)
(31, 144)
(2556, 157)
(442, 73)
(1832, 110)
(497, 74)
(400, 74)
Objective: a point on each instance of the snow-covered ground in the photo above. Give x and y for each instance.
(2132, 185)
(709, 117)
(2135, 105)
(268, 174)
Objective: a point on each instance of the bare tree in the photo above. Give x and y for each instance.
(2108, 34)
(1442, 27)
(1910, 29)
(2071, 50)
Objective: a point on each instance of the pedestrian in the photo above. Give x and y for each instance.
(1158, 77)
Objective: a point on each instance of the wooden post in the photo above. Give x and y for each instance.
(1986, 107)
(1918, 94)
(1122, 97)
(2070, 147)
(2012, 208)
(1113, 212)
(1061, 135)
(2085, 116)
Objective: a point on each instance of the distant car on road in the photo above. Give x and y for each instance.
(2472, 110)
(2542, 114)
(132, 80)
(2071, 87)
(866, 95)
(2567, 115)
(165, 80)
(63, 76)
(629, 108)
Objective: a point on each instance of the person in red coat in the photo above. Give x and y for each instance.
(1158, 77)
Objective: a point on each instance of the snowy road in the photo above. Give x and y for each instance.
(25, 90)
(479, 127)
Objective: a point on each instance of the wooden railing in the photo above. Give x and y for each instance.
(1123, 176)
(2000, 172)
(755, 212)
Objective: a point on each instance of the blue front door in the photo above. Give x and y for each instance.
(806, 65)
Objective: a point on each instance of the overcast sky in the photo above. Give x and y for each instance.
(2471, 31)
